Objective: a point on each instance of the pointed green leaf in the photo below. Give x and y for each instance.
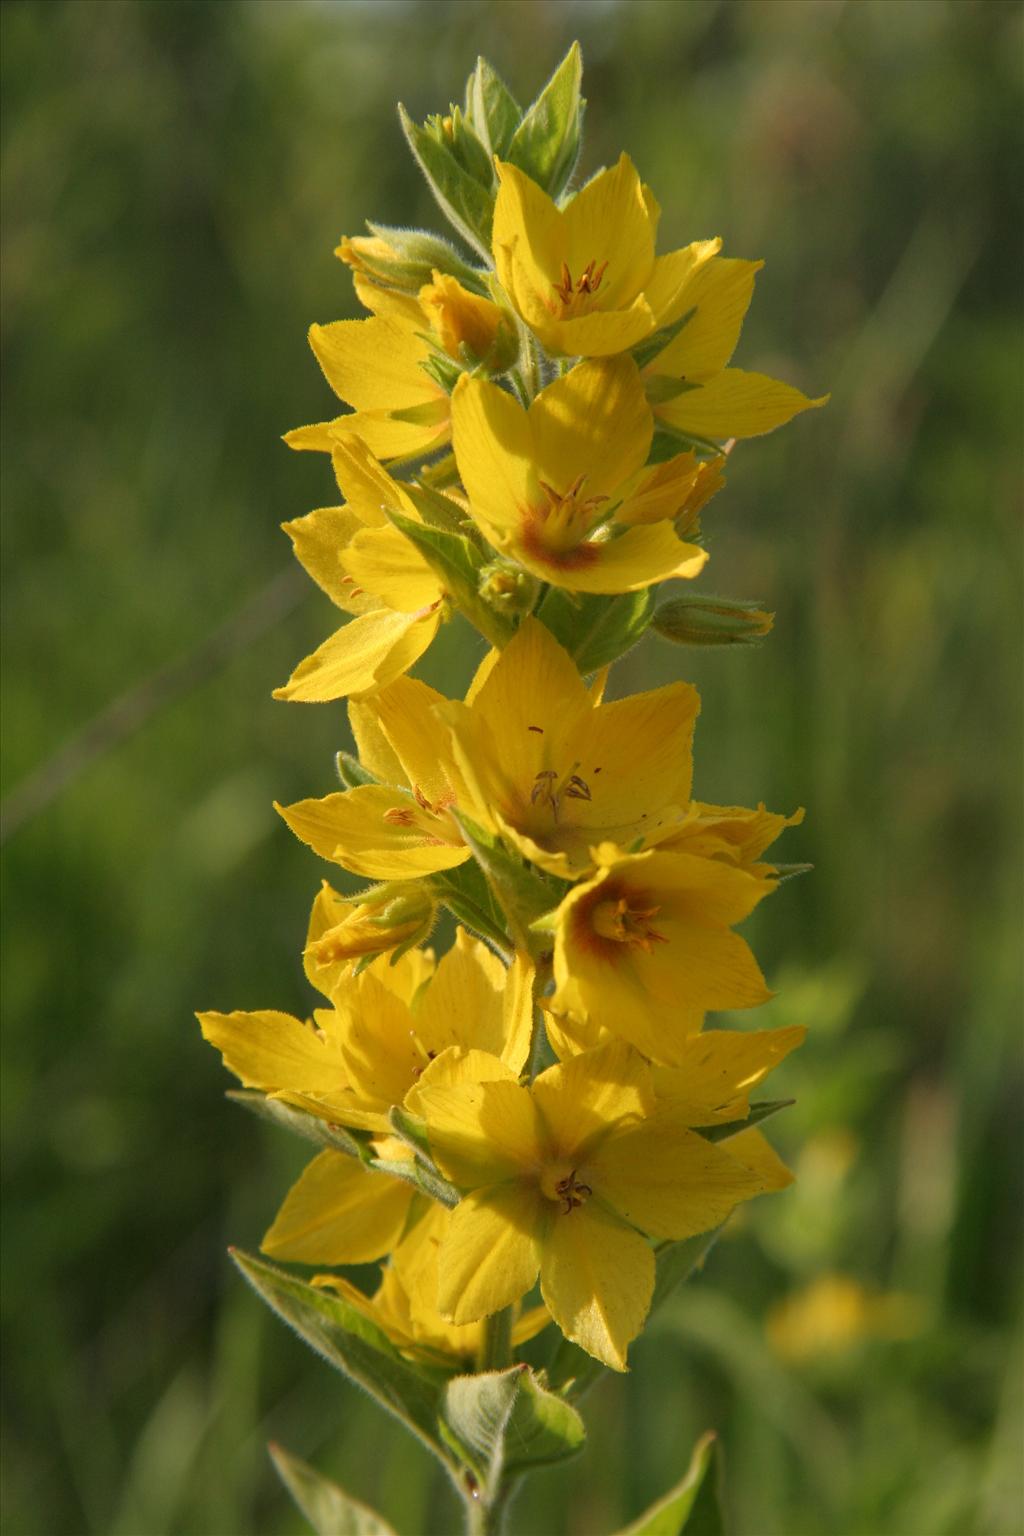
(438, 510)
(522, 892)
(467, 895)
(467, 206)
(692, 1506)
(758, 1112)
(596, 630)
(351, 771)
(491, 108)
(354, 1345)
(546, 144)
(456, 563)
(321, 1132)
(328, 1508)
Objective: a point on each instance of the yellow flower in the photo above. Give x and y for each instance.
(327, 961)
(384, 367)
(585, 277)
(734, 833)
(558, 486)
(362, 1056)
(399, 409)
(689, 385)
(405, 1304)
(835, 1313)
(568, 1178)
(400, 828)
(644, 947)
(368, 569)
(555, 770)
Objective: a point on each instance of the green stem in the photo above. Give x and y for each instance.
(496, 1345)
(486, 1517)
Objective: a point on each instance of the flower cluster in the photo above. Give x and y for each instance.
(531, 435)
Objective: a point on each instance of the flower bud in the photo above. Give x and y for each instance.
(383, 917)
(707, 482)
(472, 330)
(508, 588)
(707, 620)
(403, 258)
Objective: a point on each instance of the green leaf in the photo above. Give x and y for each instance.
(504, 1422)
(351, 771)
(436, 509)
(418, 253)
(597, 630)
(329, 1510)
(546, 145)
(491, 108)
(523, 894)
(456, 563)
(758, 1112)
(354, 1345)
(466, 894)
(692, 1506)
(542, 1429)
(467, 206)
(310, 1127)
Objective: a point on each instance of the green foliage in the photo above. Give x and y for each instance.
(546, 145)
(693, 1506)
(596, 630)
(504, 1423)
(329, 1510)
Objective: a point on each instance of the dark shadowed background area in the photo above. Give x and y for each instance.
(176, 176)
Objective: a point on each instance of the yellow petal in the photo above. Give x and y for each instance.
(329, 909)
(406, 713)
(668, 288)
(453, 1068)
(641, 557)
(367, 653)
(735, 404)
(668, 1181)
(339, 1212)
(375, 752)
(463, 1004)
(378, 1044)
(583, 1098)
(594, 422)
(733, 832)
(759, 1157)
(488, 1258)
(608, 220)
(600, 334)
(719, 296)
(636, 758)
(373, 363)
(384, 563)
(597, 1278)
(386, 436)
(493, 447)
(715, 1070)
(518, 1011)
(480, 1133)
(366, 484)
(527, 240)
(351, 828)
(272, 1050)
(318, 540)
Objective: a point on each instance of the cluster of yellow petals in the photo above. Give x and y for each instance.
(562, 1179)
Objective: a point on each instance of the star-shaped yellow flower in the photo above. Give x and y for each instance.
(568, 1179)
(585, 277)
(645, 946)
(368, 569)
(556, 771)
(562, 489)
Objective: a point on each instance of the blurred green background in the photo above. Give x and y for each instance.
(176, 175)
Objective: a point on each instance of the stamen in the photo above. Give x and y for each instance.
(572, 1192)
(399, 816)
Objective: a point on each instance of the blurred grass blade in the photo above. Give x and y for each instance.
(693, 1505)
(328, 1508)
(354, 1345)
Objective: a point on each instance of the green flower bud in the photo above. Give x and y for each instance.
(707, 620)
(397, 913)
(508, 588)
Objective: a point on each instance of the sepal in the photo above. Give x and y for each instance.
(491, 109)
(405, 258)
(322, 1133)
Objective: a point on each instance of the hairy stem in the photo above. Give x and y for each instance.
(496, 1346)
